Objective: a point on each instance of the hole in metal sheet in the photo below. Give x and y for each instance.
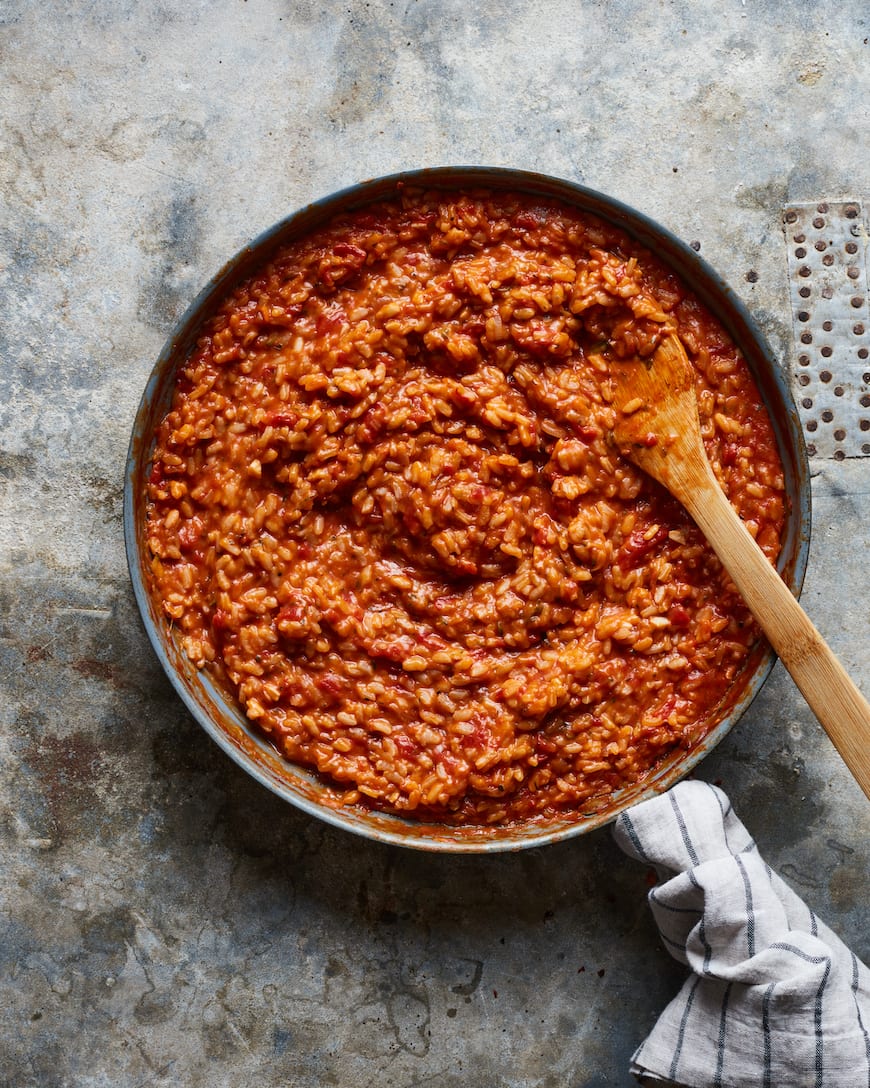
(865, 378)
(827, 325)
(825, 376)
(805, 271)
(800, 252)
(862, 353)
(838, 392)
(839, 455)
(827, 291)
(805, 292)
(804, 379)
(791, 217)
(828, 259)
(812, 425)
(818, 222)
(826, 351)
(865, 401)
(857, 302)
(853, 273)
(820, 245)
(806, 337)
(865, 448)
(803, 316)
(827, 415)
(858, 329)
(807, 402)
(799, 238)
(864, 424)
(851, 211)
(839, 434)
(851, 247)
(811, 450)
(804, 360)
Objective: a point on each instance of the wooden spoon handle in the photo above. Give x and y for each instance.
(835, 700)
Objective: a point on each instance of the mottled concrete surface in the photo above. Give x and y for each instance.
(164, 919)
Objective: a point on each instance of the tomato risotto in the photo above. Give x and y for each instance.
(386, 511)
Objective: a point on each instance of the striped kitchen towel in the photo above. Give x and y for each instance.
(775, 999)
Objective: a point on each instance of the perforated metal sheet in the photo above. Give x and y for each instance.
(827, 263)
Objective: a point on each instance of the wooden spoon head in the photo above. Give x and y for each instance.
(657, 425)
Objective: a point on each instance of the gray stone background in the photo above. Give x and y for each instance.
(163, 919)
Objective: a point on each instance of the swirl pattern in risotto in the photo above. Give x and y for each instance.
(385, 509)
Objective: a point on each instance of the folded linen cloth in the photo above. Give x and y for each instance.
(776, 1000)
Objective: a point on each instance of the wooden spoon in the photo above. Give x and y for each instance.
(658, 428)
